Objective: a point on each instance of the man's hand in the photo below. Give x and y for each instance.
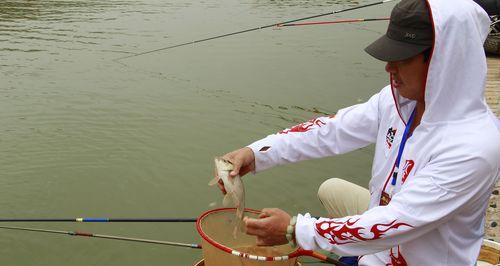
(270, 227)
(243, 161)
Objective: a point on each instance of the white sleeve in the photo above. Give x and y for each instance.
(351, 128)
(427, 200)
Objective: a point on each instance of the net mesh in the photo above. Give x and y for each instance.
(219, 227)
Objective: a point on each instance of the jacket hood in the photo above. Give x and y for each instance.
(456, 76)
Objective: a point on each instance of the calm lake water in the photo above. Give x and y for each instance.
(84, 136)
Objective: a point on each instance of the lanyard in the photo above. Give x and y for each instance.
(401, 148)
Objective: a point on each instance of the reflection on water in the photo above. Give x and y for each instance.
(39, 26)
(54, 10)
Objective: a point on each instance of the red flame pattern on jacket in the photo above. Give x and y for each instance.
(407, 169)
(304, 127)
(340, 233)
(398, 260)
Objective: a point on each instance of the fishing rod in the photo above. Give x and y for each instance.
(334, 22)
(256, 28)
(323, 258)
(86, 234)
(104, 220)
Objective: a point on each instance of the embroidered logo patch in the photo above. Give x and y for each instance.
(407, 169)
(389, 137)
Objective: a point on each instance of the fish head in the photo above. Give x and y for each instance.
(222, 169)
(222, 164)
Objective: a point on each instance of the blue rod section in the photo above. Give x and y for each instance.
(92, 220)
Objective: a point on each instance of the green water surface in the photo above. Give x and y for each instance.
(84, 136)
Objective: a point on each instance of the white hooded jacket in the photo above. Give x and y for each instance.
(448, 168)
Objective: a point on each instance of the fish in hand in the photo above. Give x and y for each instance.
(235, 191)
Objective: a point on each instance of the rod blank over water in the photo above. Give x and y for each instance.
(77, 233)
(104, 220)
(254, 29)
(334, 22)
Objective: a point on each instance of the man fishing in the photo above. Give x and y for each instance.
(437, 149)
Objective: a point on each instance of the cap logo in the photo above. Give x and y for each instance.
(410, 35)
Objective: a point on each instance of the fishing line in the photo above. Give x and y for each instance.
(86, 234)
(254, 29)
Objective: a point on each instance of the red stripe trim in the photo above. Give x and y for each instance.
(389, 177)
(395, 101)
(77, 233)
(324, 22)
(333, 22)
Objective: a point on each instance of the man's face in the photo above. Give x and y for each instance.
(409, 76)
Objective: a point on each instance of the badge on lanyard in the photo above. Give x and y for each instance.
(384, 199)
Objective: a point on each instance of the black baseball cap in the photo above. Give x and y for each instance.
(409, 33)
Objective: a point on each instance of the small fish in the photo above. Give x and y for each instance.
(235, 191)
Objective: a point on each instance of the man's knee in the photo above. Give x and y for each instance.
(330, 187)
(343, 198)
